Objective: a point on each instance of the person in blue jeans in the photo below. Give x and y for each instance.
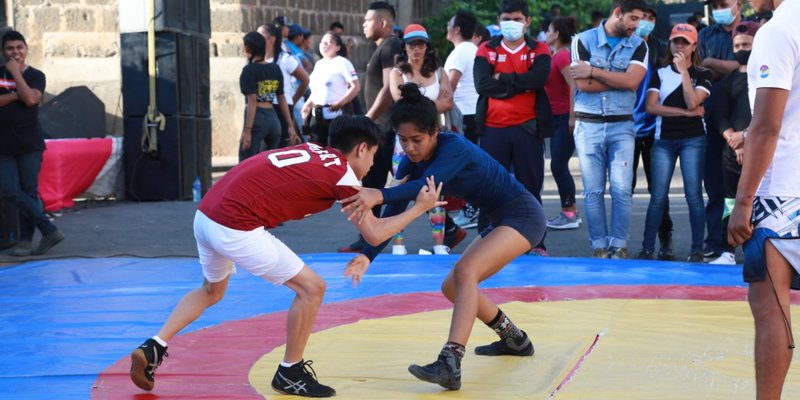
(675, 95)
(22, 145)
(608, 63)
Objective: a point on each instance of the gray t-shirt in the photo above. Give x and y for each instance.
(383, 57)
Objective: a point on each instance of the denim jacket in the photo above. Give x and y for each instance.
(601, 55)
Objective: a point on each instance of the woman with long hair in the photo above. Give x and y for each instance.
(291, 69)
(261, 83)
(516, 224)
(419, 64)
(334, 85)
(675, 95)
(561, 91)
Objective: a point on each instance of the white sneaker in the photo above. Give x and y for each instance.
(399, 250)
(726, 258)
(424, 252)
(441, 250)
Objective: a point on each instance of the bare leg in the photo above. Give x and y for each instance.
(309, 289)
(483, 258)
(192, 305)
(772, 353)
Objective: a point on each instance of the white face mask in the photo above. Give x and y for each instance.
(512, 30)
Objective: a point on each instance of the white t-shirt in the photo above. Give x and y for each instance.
(288, 64)
(329, 81)
(775, 63)
(461, 59)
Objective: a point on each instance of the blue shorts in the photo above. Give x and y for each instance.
(524, 214)
(777, 220)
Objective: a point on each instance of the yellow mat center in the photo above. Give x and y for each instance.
(649, 349)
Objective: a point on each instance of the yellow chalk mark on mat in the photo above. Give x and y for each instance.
(652, 349)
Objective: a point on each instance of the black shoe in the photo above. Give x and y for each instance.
(710, 255)
(507, 347)
(666, 252)
(300, 380)
(645, 255)
(696, 257)
(144, 362)
(48, 241)
(445, 371)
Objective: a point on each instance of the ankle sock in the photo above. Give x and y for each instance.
(288, 365)
(160, 341)
(455, 348)
(503, 326)
(570, 214)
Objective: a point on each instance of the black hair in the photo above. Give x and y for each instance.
(430, 63)
(275, 30)
(466, 23)
(336, 25)
(554, 6)
(481, 32)
(338, 39)
(629, 5)
(256, 45)
(566, 28)
(13, 35)
(414, 107)
(597, 15)
(348, 131)
(510, 6)
(383, 6)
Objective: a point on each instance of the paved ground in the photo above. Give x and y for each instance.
(164, 229)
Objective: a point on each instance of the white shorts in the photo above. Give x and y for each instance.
(256, 251)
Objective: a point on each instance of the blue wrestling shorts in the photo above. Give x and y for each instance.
(776, 219)
(524, 214)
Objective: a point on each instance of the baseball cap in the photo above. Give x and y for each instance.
(294, 30)
(415, 32)
(494, 30)
(745, 28)
(685, 31)
(282, 20)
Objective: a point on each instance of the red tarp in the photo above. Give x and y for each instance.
(69, 167)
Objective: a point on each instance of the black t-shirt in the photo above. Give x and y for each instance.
(263, 80)
(732, 103)
(20, 131)
(383, 57)
(667, 82)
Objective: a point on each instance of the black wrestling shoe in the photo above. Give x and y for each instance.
(445, 371)
(507, 347)
(144, 362)
(300, 380)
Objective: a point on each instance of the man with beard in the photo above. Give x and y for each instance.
(608, 63)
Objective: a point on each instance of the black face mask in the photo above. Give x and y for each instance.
(742, 56)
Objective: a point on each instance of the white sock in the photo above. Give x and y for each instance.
(160, 340)
(441, 249)
(287, 365)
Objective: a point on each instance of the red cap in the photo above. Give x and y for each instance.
(685, 31)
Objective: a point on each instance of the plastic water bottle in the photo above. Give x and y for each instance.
(196, 193)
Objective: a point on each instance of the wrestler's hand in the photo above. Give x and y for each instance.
(740, 227)
(428, 196)
(361, 203)
(356, 268)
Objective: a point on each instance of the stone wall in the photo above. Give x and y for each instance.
(76, 42)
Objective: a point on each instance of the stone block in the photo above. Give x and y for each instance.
(109, 20)
(47, 19)
(228, 19)
(91, 45)
(80, 19)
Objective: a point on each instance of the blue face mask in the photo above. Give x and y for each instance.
(512, 30)
(645, 28)
(723, 16)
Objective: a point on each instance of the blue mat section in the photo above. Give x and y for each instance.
(64, 321)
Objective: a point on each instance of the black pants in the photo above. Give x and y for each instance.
(285, 126)
(515, 148)
(731, 171)
(643, 146)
